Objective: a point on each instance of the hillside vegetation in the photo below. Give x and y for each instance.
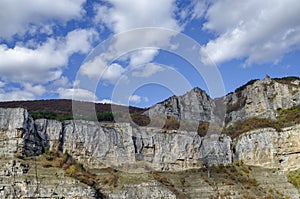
(285, 118)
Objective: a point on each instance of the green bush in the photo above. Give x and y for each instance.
(50, 116)
(285, 118)
(294, 178)
(171, 124)
(105, 116)
(245, 85)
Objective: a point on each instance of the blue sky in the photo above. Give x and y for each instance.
(140, 52)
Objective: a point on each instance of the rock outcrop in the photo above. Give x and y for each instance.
(194, 106)
(12, 122)
(25, 179)
(131, 149)
(262, 99)
(119, 145)
(151, 190)
(114, 145)
(122, 145)
(258, 98)
(269, 148)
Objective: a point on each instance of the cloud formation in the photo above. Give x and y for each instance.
(39, 38)
(120, 15)
(41, 63)
(44, 63)
(147, 70)
(29, 16)
(137, 99)
(259, 31)
(77, 94)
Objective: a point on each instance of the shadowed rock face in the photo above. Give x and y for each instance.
(13, 124)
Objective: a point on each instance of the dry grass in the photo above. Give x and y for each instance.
(287, 117)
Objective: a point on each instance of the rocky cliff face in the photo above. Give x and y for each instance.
(12, 124)
(112, 145)
(121, 145)
(130, 149)
(261, 99)
(269, 148)
(127, 148)
(96, 146)
(21, 137)
(195, 105)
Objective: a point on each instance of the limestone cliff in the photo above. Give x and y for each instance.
(174, 157)
(21, 137)
(262, 99)
(129, 149)
(118, 145)
(258, 98)
(269, 148)
(195, 105)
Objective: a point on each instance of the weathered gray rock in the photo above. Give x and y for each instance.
(144, 190)
(167, 150)
(96, 146)
(23, 179)
(115, 145)
(50, 133)
(123, 145)
(13, 123)
(261, 99)
(192, 107)
(269, 148)
(127, 147)
(22, 136)
(216, 150)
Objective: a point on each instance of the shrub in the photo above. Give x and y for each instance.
(245, 85)
(287, 80)
(240, 126)
(171, 124)
(48, 154)
(105, 116)
(294, 178)
(286, 117)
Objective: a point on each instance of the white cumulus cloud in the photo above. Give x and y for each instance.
(259, 31)
(120, 16)
(99, 68)
(147, 70)
(77, 94)
(17, 94)
(18, 17)
(125, 15)
(45, 62)
(142, 57)
(135, 99)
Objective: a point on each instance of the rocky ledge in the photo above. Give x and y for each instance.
(122, 145)
(134, 149)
